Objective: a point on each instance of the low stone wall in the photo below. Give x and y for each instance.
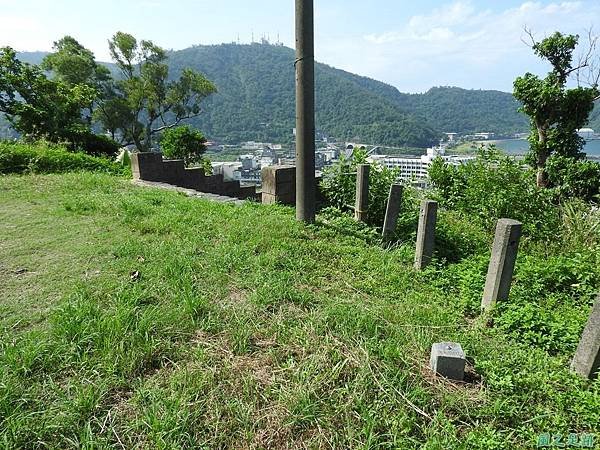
(151, 167)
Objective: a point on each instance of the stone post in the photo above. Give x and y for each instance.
(587, 358)
(502, 263)
(392, 211)
(279, 184)
(362, 192)
(426, 234)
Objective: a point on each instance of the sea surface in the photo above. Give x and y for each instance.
(521, 146)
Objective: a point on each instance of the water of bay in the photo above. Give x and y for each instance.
(520, 147)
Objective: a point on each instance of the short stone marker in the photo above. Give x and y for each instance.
(426, 234)
(587, 358)
(448, 360)
(502, 263)
(362, 192)
(392, 211)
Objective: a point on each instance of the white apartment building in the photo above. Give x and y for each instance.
(416, 169)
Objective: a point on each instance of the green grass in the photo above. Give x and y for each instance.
(244, 329)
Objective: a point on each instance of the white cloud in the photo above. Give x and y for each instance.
(458, 44)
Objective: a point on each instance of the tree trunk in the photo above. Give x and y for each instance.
(542, 157)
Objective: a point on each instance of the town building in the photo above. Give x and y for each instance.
(416, 169)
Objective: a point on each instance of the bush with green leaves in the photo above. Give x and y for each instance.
(185, 143)
(339, 186)
(41, 157)
(493, 186)
(571, 178)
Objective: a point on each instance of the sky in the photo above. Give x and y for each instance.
(412, 45)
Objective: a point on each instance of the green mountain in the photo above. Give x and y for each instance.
(452, 109)
(256, 101)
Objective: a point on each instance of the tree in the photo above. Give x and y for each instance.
(146, 102)
(183, 142)
(42, 108)
(39, 107)
(74, 65)
(556, 112)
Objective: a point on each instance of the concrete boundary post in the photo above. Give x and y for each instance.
(502, 263)
(586, 361)
(426, 234)
(393, 209)
(362, 192)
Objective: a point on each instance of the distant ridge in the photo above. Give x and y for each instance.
(256, 101)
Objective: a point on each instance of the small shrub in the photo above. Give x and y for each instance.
(494, 186)
(183, 143)
(339, 185)
(17, 157)
(580, 224)
(94, 144)
(572, 178)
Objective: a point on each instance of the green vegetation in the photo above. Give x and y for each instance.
(256, 85)
(145, 101)
(18, 157)
(452, 109)
(42, 108)
(339, 187)
(183, 143)
(82, 94)
(556, 112)
(142, 318)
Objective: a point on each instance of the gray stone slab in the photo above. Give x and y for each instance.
(362, 193)
(426, 234)
(191, 192)
(393, 209)
(586, 361)
(502, 263)
(448, 359)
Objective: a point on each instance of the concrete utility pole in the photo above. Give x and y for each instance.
(305, 111)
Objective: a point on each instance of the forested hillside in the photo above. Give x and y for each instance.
(452, 109)
(256, 101)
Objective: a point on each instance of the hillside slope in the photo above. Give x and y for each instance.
(452, 109)
(256, 99)
(139, 318)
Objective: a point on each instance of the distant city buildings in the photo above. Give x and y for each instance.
(412, 169)
(415, 170)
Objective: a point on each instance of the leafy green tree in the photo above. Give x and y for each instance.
(37, 106)
(74, 65)
(183, 142)
(146, 101)
(42, 108)
(556, 112)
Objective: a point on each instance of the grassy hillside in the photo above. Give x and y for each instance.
(138, 318)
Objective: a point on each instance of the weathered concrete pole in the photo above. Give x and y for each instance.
(362, 193)
(426, 234)
(392, 211)
(305, 111)
(502, 263)
(587, 358)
